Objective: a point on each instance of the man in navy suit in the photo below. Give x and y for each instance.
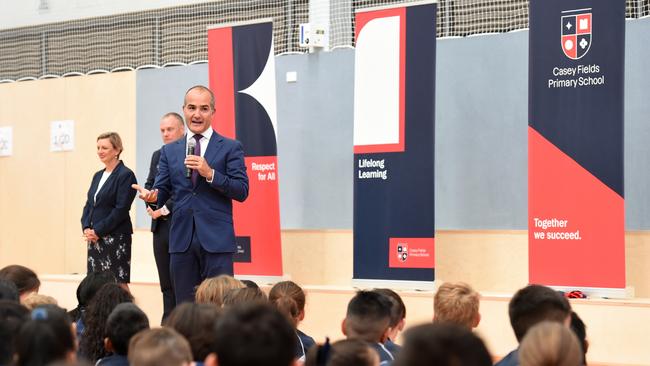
(202, 237)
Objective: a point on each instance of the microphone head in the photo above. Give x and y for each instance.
(191, 145)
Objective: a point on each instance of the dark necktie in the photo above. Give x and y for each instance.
(197, 152)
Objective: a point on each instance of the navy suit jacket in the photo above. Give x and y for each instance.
(208, 207)
(109, 214)
(153, 171)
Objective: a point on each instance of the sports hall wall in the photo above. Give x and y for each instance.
(481, 159)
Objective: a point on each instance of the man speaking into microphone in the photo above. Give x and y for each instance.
(204, 172)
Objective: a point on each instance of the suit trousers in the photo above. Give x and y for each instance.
(190, 268)
(161, 254)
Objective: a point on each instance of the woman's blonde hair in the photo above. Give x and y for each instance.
(115, 140)
(550, 344)
(212, 290)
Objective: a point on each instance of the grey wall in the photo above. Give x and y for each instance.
(158, 91)
(481, 132)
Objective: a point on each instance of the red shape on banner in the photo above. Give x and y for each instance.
(222, 81)
(584, 240)
(361, 20)
(264, 233)
(411, 253)
(570, 46)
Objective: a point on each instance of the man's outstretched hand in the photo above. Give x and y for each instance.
(145, 194)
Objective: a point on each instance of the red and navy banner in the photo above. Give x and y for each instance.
(576, 226)
(242, 76)
(394, 93)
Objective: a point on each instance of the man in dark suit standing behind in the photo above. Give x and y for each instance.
(172, 128)
(202, 236)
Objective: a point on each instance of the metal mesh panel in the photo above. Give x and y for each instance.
(178, 34)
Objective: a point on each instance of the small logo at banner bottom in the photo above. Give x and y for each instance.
(411, 253)
(243, 251)
(576, 34)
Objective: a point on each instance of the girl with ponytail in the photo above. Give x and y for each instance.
(289, 298)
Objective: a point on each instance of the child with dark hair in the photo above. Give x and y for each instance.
(87, 288)
(123, 323)
(290, 299)
(25, 279)
(91, 346)
(12, 317)
(47, 337)
(251, 335)
(159, 347)
(244, 295)
(442, 344)
(580, 329)
(8, 291)
(249, 284)
(397, 318)
(196, 323)
(347, 352)
(368, 319)
(531, 305)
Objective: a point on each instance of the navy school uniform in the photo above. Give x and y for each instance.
(303, 345)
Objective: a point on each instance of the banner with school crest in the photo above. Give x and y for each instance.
(576, 220)
(241, 66)
(394, 93)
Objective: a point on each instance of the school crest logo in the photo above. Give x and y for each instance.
(402, 252)
(576, 32)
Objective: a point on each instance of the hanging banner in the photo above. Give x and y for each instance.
(241, 66)
(394, 93)
(576, 225)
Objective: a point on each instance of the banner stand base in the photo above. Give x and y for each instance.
(393, 284)
(263, 280)
(600, 292)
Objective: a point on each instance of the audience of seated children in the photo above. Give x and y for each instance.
(368, 319)
(243, 296)
(196, 323)
(347, 352)
(397, 318)
(290, 299)
(531, 305)
(252, 335)
(457, 303)
(550, 344)
(91, 344)
(25, 279)
(442, 344)
(159, 347)
(12, 317)
(580, 330)
(212, 290)
(122, 324)
(47, 337)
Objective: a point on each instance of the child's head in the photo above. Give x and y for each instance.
(212, 290)
(25, 279)
(289, 298)
(343, 353)
(457, 303)
(550, 343)
(534, 304)
(195, 322)
(244, 295)
(123, 323)
(367, 317)
(47, 337)
(159, 347)
(397, 311)
(12, 317)
(33, 300)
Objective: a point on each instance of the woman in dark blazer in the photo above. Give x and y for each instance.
(105, 221)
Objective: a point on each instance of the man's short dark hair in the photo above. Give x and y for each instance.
(533, 304)
(8, 291)
(442, 344)
(254, 334)
(123, 323)
(12, 317)
(368, 316)
(203, 89)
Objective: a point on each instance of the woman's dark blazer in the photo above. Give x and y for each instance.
(110, 213)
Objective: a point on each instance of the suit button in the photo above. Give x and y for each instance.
(193, 193)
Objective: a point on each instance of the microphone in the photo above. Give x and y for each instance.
(191, 145)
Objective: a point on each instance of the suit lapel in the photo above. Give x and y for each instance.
(108, 181)
(214, 146)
